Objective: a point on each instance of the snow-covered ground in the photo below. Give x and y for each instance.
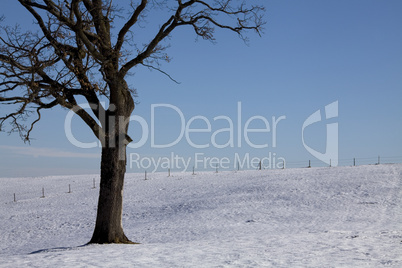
(319, 217)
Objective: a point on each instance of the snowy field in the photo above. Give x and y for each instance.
(319, 217)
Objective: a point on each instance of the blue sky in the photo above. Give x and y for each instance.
(312, 53)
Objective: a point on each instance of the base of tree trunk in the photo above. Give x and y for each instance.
(128, 242)
(123, 240)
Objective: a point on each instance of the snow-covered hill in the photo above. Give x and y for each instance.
(319, 217)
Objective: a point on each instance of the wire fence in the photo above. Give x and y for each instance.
(91, 182)
(356, 161)
(284, 164)
(54, 186)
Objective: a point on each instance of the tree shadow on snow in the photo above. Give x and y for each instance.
(58, 249)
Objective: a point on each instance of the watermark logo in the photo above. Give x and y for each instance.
(256, 133)
(330, 156)
(201, 161)
(187, 129)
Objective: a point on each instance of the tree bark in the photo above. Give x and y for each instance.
(109, 228)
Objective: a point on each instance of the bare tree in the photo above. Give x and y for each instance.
(78, 51)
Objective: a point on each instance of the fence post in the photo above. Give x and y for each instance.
(309, 163)
(94, 184)
(378, 160)
(193, 170)
(15, 200)
(69, 189)
(354, 162)
(283, 164)
(43, 192)
(330, 163)
(259, 166)
(145, 175)
(168, 172)
(216, 171)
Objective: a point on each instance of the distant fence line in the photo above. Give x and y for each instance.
(283, 164)
(41, 192)
(357, 161)
(48, 190)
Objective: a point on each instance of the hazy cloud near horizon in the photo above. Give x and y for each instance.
(46, 152)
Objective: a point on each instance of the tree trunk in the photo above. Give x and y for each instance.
(109, 228)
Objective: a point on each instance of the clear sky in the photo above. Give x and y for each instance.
(312, 54)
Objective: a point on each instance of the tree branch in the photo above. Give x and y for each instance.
(161, 71)
(133, 19)
(203, 22)
(164, 31)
